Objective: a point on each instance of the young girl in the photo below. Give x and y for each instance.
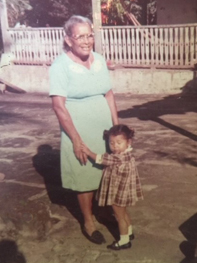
(120, 185)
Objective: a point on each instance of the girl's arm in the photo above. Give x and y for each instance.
(66, 122)
(105, 159)
(112, 105)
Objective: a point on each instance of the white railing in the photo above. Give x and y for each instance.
(36, 45)
(151, 46)
(145, 46)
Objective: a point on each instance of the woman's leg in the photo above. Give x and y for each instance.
(85, 203)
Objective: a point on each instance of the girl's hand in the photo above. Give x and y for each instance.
(77, 148)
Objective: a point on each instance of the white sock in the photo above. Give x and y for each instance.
(130, 230)
(124, 239)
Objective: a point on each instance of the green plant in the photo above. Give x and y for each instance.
(15, 10)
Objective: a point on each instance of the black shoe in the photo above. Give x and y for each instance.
(131, 237)
(96, 237)
(116, 246)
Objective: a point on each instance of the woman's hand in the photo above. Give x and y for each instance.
(77, 148)
(85, 149)
(88, 152)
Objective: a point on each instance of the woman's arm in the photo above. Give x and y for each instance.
(66, 122)
(112, 105)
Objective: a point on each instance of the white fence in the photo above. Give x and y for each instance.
(129, 46)
(151, 46)
(36, 45)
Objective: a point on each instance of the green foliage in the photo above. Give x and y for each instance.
(118, 8)
(114, 11)
(134, 7)
(56, 12)
(16, 10)
(152, 12)
(39, 13)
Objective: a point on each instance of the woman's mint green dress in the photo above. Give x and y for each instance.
(84, 90)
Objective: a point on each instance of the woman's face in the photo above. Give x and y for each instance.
(81, 41)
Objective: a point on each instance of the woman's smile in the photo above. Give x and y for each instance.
(82, 40)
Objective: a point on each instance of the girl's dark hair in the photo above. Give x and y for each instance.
(119, 130)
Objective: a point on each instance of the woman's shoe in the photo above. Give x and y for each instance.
(96, 237)
(116, 246)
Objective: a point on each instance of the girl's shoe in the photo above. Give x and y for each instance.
(116, 246)
(131, 237)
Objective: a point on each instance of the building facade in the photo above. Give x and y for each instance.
(171, 12)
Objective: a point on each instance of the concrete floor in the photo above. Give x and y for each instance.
(40, 222)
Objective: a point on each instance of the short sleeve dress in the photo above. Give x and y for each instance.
(120, 183)
(84, 90)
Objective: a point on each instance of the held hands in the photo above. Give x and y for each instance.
(85, 149)
(88, 152)
(77, 148)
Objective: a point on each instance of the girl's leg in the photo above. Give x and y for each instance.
(121, 217)
(124, 242)
(123, 224)
(130, 229)
(85, 203)
(127, 218)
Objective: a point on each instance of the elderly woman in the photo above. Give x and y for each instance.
(84, 105)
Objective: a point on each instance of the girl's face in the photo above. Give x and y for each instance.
(81, 41)
(118, 143)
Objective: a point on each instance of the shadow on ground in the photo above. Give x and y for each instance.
(179, 104)
(189, 246)
(9, 252)
(173, 104)
(47, 164)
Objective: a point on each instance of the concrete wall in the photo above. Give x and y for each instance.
(150, 81)
(176, 12)
(28, 78)
(137, 81)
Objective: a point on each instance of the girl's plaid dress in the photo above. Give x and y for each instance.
(120, 183)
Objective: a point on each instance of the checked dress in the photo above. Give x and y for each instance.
(120, 184)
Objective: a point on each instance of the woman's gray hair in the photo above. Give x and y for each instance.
(72, 21)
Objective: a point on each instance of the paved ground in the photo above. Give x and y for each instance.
(40, 222)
